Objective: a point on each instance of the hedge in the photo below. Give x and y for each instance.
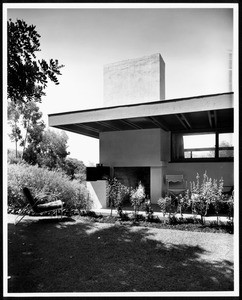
(45, 185)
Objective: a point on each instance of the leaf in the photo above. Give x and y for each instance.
(23, 42)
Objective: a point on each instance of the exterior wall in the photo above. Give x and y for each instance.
(215, 170)
(134, 81)
(151, 148)
(138, 148)
(98, 193)
(134, 148)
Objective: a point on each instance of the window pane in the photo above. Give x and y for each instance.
(226, 144)
(199, 141)
(226, 153)
(198, 154)
(226, 139)
(199, 145)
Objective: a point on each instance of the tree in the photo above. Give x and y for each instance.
(75, 169)
(25, 117)
(32, 123)
(13, 120)
(27, 80)
(53, 150)
(33, 137)
(27, 76)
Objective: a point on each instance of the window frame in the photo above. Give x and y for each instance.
(202, 159)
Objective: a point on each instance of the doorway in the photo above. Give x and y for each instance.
(131, 176)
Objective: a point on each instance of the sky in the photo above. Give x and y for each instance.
(194, 43)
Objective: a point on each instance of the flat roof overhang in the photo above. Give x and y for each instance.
(201, 113)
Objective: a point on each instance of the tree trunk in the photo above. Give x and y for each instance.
(16, 140)
(25, 139)
(16, 148)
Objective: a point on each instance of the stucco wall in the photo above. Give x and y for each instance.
(98, 193)
(215, 170)
(134, 148)
(134, 81)
(151, 148)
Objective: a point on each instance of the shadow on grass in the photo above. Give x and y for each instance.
(54, 220)
(87, 257)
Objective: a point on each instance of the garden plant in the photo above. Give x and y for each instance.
(203, 198)
(137, 198)
(116, 193)
(46, 186)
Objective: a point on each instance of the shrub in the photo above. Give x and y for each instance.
(75, 169)
(207, 195)
(148, 210)
(13, 157)
(230, 204)
(168, 205)
(184, 203)
(91, 214)
(116, 192)
(137, 197)
(45, 185)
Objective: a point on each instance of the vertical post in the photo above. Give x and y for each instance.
(216, 145)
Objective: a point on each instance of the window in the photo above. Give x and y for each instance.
(202, 146)
(226, 145)
(199, 146)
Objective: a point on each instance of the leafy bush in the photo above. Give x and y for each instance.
(184, 203)
(137, 197)
(208, 196)
(148, 210)
(209, 189)
(202, 198)
(45, 185)
(168, 205)
(75, 169)
(116, 193)
(13, 157)
(91, 214)
(230, 204)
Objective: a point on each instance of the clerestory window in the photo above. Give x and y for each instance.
(202, 146)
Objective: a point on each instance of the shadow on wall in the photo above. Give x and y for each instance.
(86, 257)
(97, 193)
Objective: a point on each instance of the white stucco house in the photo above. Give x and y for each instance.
(143, 136)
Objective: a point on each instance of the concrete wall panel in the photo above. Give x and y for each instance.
(134, 81)
(215, 170)
(98, 193)
(133, 148)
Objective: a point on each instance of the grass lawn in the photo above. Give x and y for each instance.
(78, 255)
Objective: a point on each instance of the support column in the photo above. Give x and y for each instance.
(157, 183)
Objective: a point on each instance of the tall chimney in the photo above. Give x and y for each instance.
(134, 81)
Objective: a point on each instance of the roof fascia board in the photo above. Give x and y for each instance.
(213, 102)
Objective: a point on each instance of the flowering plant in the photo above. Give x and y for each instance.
(137, 197)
